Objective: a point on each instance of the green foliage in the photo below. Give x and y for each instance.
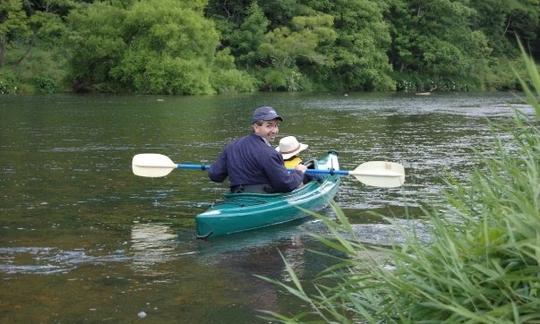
(47, 27)
(170, 49)
(164, 75)
(226, 79)
(12, 20)
(156, 46)
(361, 62)
(280, 12)
(45, 85)
(481, 263)
(283, 79)
(284, 49)
(13, 25)
(30, 32)
(43, 71)
(435, 40)
(232, 81)
(492, 17)
(8, 83)
(532, 89)
(502, 76)
(246, 40)
(96, 45)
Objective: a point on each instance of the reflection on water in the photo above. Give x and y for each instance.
(47, 260)
(151, 245)
(288, 239)
(294, 255)
(391, 234)
(154, 244)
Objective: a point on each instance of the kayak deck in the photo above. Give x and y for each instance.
(240, 212)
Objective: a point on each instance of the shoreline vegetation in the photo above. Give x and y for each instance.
(481, 264)
(204, 47)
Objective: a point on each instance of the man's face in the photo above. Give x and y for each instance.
(268, 129)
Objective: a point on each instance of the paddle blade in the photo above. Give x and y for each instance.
(380, 174)
(152, 165)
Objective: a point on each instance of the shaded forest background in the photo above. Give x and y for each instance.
(228, 46)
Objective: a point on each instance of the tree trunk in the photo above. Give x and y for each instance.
(2, 50)
(25, 55)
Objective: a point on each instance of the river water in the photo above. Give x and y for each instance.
(84, 240)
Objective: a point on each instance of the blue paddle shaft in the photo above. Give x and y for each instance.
(192, 166)
(315, 172)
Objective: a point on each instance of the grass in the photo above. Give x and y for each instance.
(482, 264)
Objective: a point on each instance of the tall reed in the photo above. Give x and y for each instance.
(482, 263)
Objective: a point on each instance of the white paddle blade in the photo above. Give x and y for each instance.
(152, 165)
(380, 174)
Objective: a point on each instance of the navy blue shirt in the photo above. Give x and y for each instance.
(251, 161)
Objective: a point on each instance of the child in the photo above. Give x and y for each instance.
(289, 147)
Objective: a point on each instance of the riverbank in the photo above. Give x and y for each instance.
(207, 47)
(47, 73)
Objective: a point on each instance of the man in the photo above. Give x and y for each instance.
(252, 164)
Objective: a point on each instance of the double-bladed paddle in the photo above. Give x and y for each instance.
(373, 173)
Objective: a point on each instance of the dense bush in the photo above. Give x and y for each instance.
(8, 83)
(232, 81)
(45, 85)
(157, 46)
(172, 46)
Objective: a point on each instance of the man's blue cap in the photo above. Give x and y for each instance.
(265, 113)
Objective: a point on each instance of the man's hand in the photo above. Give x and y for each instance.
(301, 168)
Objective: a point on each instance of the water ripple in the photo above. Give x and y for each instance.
(49, 260)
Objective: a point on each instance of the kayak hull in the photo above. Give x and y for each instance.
(247, 211)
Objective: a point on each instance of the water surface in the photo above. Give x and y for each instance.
(82, 239)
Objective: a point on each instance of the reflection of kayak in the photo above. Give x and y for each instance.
(240, 212)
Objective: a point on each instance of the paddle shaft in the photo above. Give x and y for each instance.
(192, 166)
(373, 173)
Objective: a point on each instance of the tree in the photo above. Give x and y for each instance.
(435, 41)
(246, 40)
(281, 12)
(285, 49)
(360, 51)
(155, 46)
(96, 45)
(171, 48)
(13, 25)
(24, 24)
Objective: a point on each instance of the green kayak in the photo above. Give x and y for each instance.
(240, 212)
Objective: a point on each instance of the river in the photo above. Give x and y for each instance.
(84, 240)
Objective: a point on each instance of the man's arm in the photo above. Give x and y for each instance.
(218, 170)
(280, 179)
